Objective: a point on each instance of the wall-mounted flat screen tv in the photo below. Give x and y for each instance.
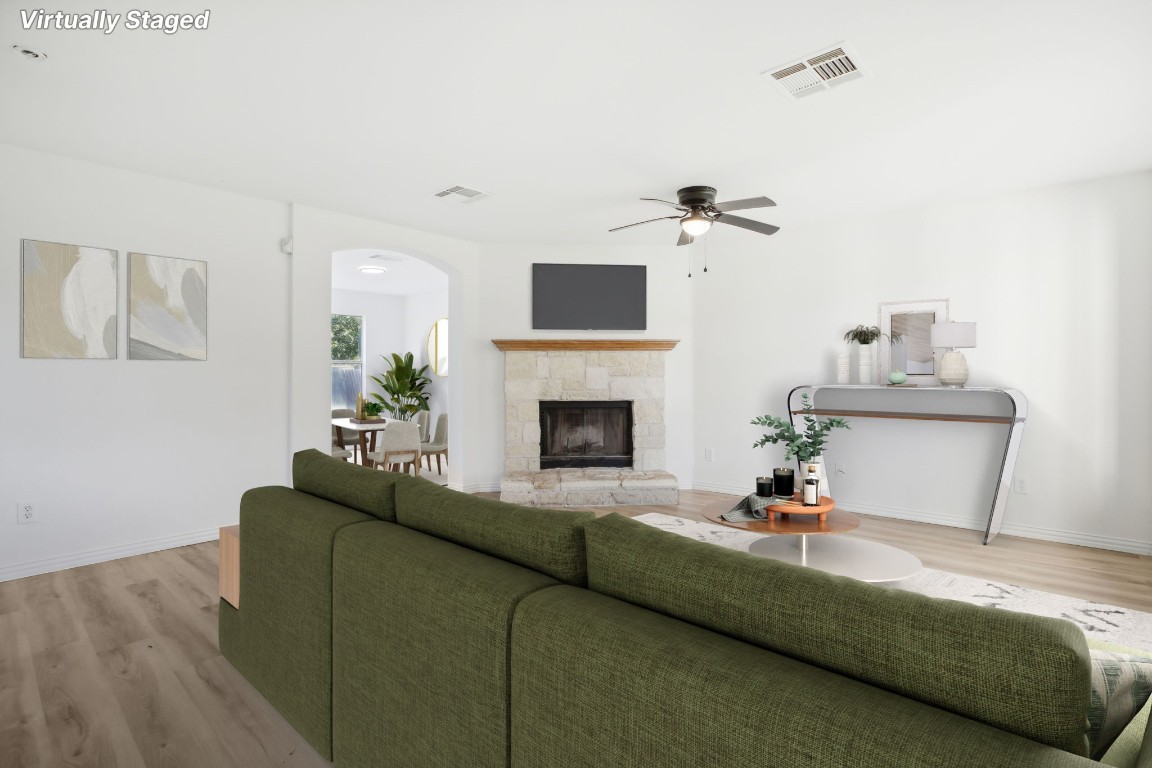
(589, 297)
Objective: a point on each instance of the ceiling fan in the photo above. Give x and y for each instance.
(700, 211)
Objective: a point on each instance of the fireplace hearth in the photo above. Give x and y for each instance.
(585, 434)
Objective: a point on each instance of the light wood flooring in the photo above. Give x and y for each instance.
(1118, 578)
(117, 664)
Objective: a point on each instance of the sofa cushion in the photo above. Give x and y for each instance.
(979, 662)
(600, 682)
(1121, 686)
(370, 491)
(550, 541)
(420, 649)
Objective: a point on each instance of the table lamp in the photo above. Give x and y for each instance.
(953, 367)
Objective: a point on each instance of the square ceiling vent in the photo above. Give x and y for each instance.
(817, 72)
(463, 194)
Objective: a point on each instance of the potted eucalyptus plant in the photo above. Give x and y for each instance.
(807, 446)
(405, 387)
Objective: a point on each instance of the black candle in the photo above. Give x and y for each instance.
(783, 483)
(764, 486)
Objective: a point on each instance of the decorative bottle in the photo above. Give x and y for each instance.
(360, 405)
(811, 487)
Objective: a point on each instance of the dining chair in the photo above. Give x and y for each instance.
(399, 445)
(422, 420)
(351, 436)
(438, 445)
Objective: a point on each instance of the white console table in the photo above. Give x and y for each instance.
(966, 404)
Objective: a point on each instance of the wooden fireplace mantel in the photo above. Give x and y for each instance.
(584, 345)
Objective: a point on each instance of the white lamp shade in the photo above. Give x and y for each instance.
(953, 335)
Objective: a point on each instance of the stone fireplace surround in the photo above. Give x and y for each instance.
(585, 369)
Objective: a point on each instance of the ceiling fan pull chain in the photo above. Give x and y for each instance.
(705, 254)
(689, 252)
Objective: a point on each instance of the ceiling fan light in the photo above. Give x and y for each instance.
(696, 223)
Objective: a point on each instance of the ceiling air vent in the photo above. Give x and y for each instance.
(463, 194)
(817, 72)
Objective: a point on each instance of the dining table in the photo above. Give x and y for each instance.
(366, 433)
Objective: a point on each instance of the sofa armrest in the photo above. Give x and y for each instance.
(281, 639)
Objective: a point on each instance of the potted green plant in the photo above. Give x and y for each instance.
(865, 336)
(807, 446)
(373, 410)
(405, 387)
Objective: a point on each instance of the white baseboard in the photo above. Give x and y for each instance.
(1079, 539)
(104, 554)
(1008, 529)
(717, 488)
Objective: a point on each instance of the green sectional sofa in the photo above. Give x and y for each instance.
(394, 622)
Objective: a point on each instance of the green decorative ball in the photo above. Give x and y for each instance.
(897, 377)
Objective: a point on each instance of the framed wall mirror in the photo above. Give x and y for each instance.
(438, 347)
(911, 323)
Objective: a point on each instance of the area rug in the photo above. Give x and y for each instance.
(1099, 621)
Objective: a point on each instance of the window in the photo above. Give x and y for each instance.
(347, 359)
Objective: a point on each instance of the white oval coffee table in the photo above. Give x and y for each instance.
(804, 540)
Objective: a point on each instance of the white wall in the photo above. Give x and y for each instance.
(1057, 280)
(128, 456)
(125, 456)
(421, 310)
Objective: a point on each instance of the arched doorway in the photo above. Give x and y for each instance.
(387, 302)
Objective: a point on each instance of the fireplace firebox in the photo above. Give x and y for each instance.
(585, 433)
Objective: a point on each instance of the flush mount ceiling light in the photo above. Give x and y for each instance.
(373, 269)
(28, 53)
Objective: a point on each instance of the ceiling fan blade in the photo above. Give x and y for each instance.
(685, 238)
(739, 221)
(748, 202)
(665, 202)
(649, 221)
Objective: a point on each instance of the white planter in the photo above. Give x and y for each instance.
(864, 365)
(843, 368)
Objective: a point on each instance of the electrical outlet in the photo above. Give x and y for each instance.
(707, 454)
(25, 513)
(1020, 485)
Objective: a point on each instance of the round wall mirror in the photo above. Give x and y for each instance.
(438, 347)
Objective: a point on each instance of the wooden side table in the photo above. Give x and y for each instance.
(230, 564)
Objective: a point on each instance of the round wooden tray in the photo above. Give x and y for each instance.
(797, 507)
(833, 521)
